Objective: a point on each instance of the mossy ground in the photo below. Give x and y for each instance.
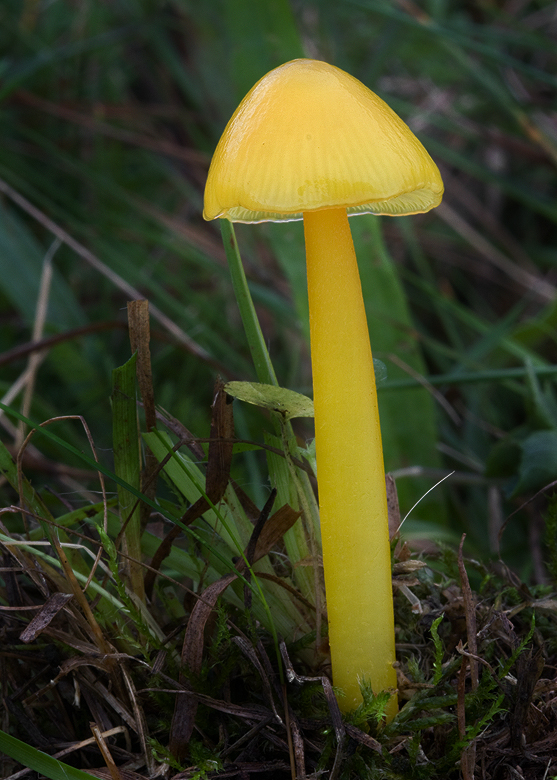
(202, 696)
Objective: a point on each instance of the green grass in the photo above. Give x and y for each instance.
(110, 113)
(110, 122)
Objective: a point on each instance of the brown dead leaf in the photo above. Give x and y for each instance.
(185, 708)
(273, 531)
(48, 612)
(139, 330)
(138, 323)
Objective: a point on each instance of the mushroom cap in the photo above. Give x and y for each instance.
(309, 136)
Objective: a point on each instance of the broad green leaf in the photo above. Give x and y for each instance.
(277, 399)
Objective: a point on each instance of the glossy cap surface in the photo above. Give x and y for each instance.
(309, 136)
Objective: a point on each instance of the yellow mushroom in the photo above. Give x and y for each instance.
(310, 141)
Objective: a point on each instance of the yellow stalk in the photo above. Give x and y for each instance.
(350, 470)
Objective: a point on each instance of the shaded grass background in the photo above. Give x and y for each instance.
(110, 113)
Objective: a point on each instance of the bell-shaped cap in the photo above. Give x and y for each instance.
(309, 136)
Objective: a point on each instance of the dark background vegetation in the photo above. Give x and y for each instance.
(110, 111)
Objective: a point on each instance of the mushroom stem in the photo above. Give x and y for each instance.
(350, 469)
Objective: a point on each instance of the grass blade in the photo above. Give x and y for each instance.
(38, 761)
(125, 436)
